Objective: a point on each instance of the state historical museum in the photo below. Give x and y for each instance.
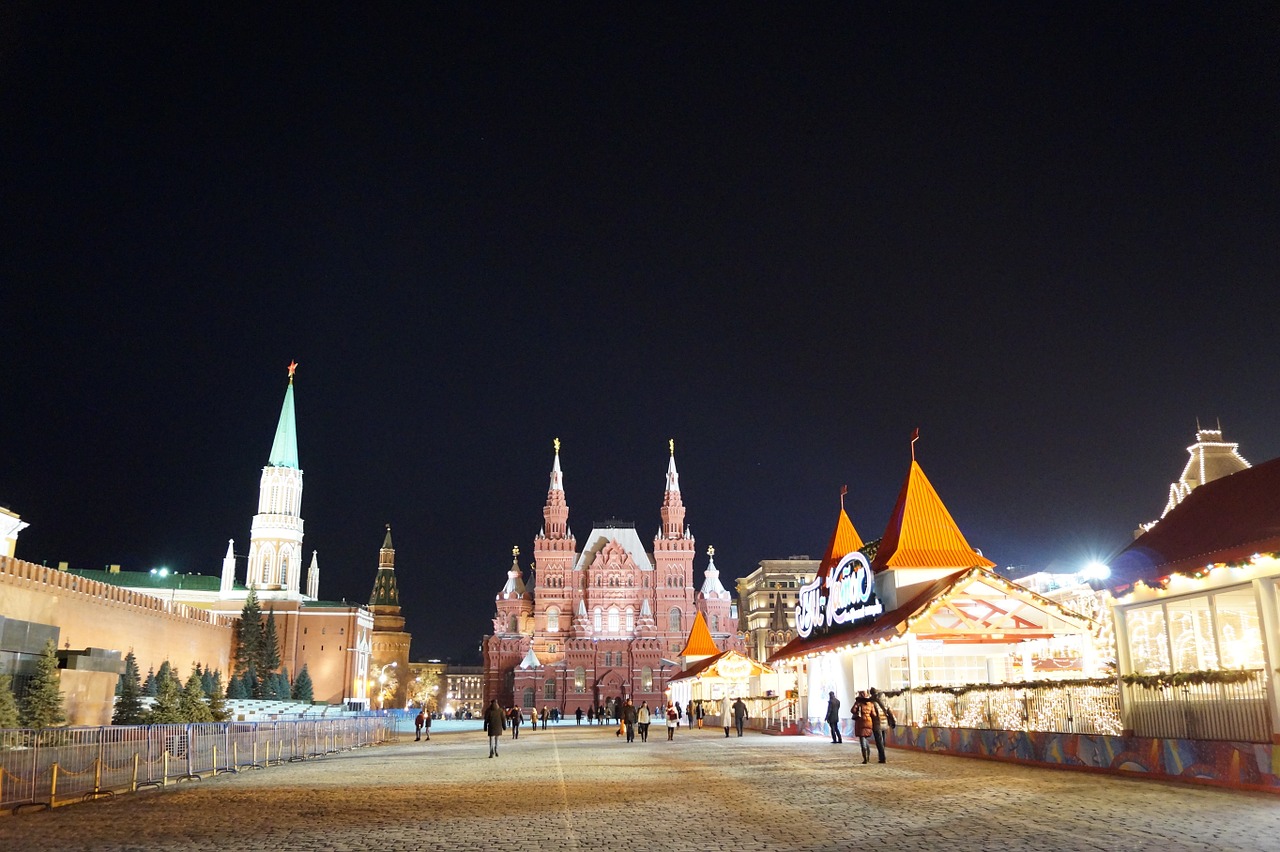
(605, 622)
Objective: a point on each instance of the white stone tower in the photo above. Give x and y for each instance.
(275, 539)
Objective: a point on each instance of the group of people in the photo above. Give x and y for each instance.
(631, 719)
(870, 718)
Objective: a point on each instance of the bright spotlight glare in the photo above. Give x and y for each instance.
(1096, 570)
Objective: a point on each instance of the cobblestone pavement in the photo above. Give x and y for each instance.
(572, 788)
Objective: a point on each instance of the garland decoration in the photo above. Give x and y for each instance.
(1164, 680)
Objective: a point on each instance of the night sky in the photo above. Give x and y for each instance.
(785, 235)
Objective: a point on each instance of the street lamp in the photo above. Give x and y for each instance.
(382, 684)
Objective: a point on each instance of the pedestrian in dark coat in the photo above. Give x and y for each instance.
(833, 717)
(495, 722)
(516, 718)
(417, 725)
(739, 714)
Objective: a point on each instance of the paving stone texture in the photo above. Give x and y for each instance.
(581, 788)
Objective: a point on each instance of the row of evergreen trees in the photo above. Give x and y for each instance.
(200, 699)
(41, 706)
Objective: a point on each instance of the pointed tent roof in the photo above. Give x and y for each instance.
(673, 477)
(284, 449)
(711, 585)
(386, 542)
(530, 660)
(844, 540)
(515, 587)
(921, 532)
(557, 476)
(700, 643)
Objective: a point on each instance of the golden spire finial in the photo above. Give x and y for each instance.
(671, 445)
(711, 551)
(556, 442)
(515, 551)
(293, 366)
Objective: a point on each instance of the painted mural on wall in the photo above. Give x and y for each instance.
(1228, 764)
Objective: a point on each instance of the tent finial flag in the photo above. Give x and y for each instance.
(915, 436)
(844, 489)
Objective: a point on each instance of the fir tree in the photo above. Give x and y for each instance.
(206, 682)
(251, 681)
(191, 701)
(285, 688)
(269, 659)
(8, 704)
(166, 671)
(236, 689)
(302, 687)
(249, 634)
(129, 709)
(150, 685)
(217, 700)
(42, 705)
(167, 708)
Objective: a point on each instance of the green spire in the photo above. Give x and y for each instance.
(284, 449)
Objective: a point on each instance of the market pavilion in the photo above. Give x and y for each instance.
(920, 607)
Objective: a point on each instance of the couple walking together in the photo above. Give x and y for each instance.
(870, 716)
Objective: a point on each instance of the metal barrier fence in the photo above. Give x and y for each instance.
(57, 766)
(1204, 711)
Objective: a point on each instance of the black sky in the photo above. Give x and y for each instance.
(785, 235)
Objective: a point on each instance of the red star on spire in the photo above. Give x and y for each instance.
(293, 365)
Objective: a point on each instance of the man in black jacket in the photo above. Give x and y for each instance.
(833, 717)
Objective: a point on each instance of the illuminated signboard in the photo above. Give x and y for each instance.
(848, 596)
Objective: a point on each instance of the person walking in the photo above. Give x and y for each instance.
(885, 717)
(833, 717)
(739, 714)
(866, 720)
(578, 715)
(426, 726)
(546, 715)
(700, 714)
(417, 724)
(516, 718)
(679, 714)
(533, 718)
(643, 720)
(629, 719)
(673, 721)
(726, 714)
(688, 712)
(495, 722)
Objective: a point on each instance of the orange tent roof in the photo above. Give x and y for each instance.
(844, 540)
(700, 643)
(921, 532)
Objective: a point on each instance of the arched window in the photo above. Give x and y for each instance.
(613, 619)
(631, 619)
(596, 616)
(553, 620)
(646, 679)
(549, 690)
(580, 679)
(675, 620)
(284, 568)
(513, 624)
(715, 623)
(527, 699)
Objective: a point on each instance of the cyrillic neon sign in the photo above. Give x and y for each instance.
(848, 596)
